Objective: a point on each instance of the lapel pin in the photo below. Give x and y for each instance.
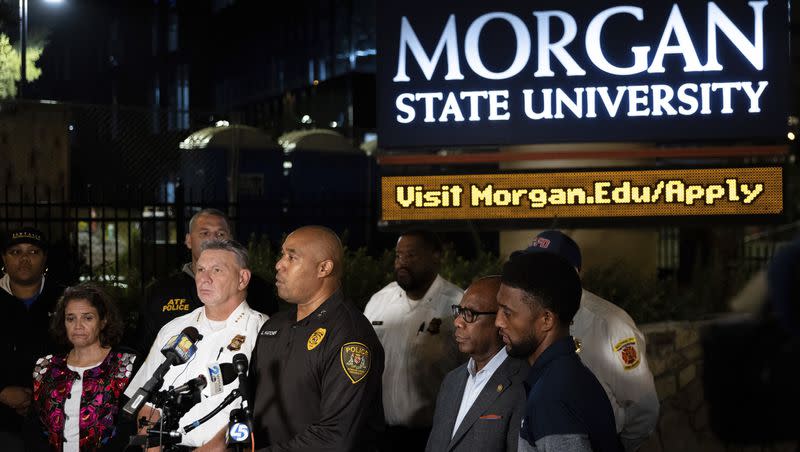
(499, 388)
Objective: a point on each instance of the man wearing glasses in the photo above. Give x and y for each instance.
(480, 403)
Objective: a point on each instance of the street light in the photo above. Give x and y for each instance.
(23, 42)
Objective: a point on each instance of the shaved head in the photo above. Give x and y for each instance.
(310, 268)
(327, 245)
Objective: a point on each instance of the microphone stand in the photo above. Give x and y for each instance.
(167, 435)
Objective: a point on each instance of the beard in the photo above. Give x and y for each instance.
(408, 280)
(522, 349)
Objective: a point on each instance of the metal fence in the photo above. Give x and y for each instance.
(124, 239)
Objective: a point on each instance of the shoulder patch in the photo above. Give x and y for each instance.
(315, 338)
(176, 304)
(355, 360)
(628, 353)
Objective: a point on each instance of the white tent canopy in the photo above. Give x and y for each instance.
(229, 137)
(315, 140)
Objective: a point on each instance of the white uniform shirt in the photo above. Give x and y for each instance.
(613, 348)
(419, 352)
(213, 348)
(476, 381)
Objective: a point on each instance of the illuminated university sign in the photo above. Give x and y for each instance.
(587, 194)
(473, 72)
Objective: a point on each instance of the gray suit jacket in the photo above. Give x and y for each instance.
(493, 421)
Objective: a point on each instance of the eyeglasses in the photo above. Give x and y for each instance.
(468, 314)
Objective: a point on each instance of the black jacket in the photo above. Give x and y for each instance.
(24, 339)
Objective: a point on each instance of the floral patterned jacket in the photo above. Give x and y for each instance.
(102, 387)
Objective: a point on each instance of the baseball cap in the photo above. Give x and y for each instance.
(555, 242)
(26, 235)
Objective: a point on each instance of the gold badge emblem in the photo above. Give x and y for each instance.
(315, 338)
(627, 352)
(435, 325)
(236, 343)
(355, 360)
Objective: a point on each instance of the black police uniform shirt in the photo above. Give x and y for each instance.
(316, 383)
(176, 295)
(567, 408)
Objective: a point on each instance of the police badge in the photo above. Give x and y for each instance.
(315, 338)
(355, 360)
(236, 343)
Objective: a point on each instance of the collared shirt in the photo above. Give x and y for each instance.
(417, 336)
(567, 408)
(212, 348)
(176, 295)
(316, 382)
(475, 383)
(613, 348)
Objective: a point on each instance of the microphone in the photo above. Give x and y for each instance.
(178, 350)
(181, 348)
(240, 363)
(195, 384)
(228, 375)
(220, 375)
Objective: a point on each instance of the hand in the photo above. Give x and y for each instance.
(152, 415)
(17, 398)
(216, 444)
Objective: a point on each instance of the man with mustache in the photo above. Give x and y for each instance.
(567, 408)
(612, 347)
(480, 403)
(412, 317)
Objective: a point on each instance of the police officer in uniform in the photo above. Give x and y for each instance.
(176, 295)
(316, 371)
(228, 325)
(413, 319)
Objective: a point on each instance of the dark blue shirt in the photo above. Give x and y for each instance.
(567, 407)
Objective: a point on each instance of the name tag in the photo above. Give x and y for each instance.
(377, 322)
(268, 333)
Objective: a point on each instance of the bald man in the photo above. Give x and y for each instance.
(317, 367)
(480, 403)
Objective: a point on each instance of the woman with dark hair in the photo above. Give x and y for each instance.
(76, 395)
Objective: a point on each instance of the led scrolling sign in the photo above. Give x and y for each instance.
(473, 72)
(756, 191)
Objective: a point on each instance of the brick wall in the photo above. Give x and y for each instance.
(675, 356)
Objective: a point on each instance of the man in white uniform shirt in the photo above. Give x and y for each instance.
(413, 320)
(613, 348)
(228, 326)
(480, 403)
